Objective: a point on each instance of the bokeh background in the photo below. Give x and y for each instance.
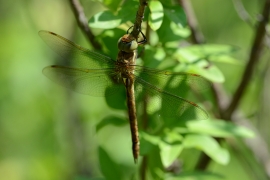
(47, 132)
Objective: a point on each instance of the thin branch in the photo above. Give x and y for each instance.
(253, 60)
(196, 35)
(83, 23)
(242, 13)
(204, 159)
(139, 19)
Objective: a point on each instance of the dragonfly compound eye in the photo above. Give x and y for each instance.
(127, 44)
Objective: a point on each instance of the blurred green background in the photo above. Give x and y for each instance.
(48, 133)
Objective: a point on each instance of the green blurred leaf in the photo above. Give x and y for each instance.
(207, 50)
(156, 16)
(170, 32)
(111, 120)
(108, 167)
(211, 72)
(177, 15)
(153, 56)
(148, 142)
(209, 146)
(87, 178)
(196, 175)
(108, 39)
(219, 128)
(105, 20)
(170, 147)
(128, 11)
(118, 100)
(111, 4)
(155, 165)
(192, 63)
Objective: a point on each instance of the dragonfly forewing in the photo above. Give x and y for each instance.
(75, 55)
(94, 82)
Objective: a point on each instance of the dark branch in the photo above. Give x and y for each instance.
(253, 60)
(83, 23)
(196, 35)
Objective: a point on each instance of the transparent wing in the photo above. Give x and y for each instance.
(163, 92)
(92, 82)
(80, 57)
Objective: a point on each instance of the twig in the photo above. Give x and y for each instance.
(243, 14)
(196, 35)
(204, 159)
(198, 38)
(253, 60)
(139, 19)
(83, 23)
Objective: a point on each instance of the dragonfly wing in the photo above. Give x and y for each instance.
(94, 82)
(74, 54)
(165, 104)
(174, 83)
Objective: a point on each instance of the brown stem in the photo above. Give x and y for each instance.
(196, 35)
(252, 62)
(254, 54)
(139, 19)
(83, 23)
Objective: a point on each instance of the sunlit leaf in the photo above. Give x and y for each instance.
(111, 4)
(219, 128)
(176, 14)
(209, 146)
(156, 16)
(170, 32)
(170, 147)
(105, 20)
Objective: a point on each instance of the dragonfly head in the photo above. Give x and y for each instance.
(127, 43)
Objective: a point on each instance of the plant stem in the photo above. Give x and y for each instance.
(83, 23)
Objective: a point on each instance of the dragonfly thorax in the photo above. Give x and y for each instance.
(127, 43)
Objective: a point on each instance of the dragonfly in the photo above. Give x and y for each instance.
(92, 73)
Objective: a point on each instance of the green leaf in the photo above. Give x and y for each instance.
(117, 100)
(108, 39)
(111, 4)
(148, 142)
(177, 15)
(219, 128)
(105, 20)
(128, 11)
(170, 147)
(156, 16)
(209, 146)
(87, 178)
(153, 56)
(111, 120)
(170, 32)
(108, 168)
(193, 63)
(155, 165)
(211, 72)
(196, 175)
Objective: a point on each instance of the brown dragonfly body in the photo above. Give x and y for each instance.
(92, 73)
